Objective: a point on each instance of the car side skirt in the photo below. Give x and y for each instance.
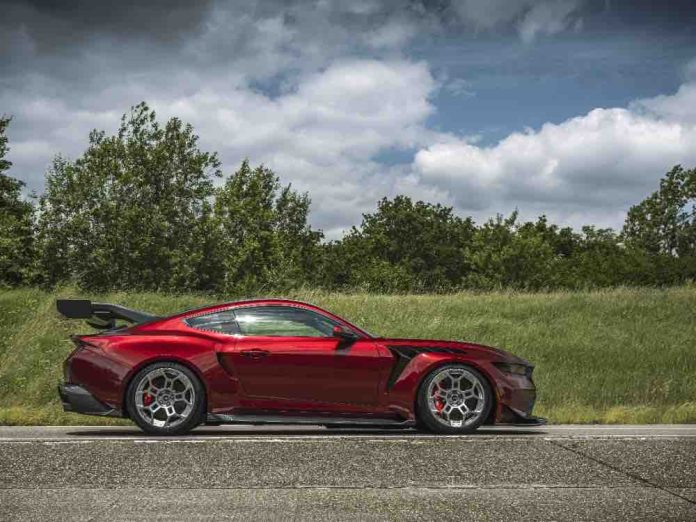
(221, 418)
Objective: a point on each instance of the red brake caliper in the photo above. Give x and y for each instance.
(439, 404)
(147, 399)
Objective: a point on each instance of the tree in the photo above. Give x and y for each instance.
(263, 238)
(665, 222)
(16, 221)
(4, 149)
(508, 255)
(599, 260)
(403, 246)
(133, 211)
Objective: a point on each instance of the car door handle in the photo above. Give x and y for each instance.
(254, 353)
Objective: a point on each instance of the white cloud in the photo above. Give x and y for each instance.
(599, 163)
(323, 135)
(679, 107)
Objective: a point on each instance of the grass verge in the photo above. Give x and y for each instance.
(619, 356)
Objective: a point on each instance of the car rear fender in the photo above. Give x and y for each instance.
(157, 359)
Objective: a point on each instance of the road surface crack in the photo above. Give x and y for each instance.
(629, 474)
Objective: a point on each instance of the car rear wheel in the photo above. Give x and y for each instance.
(454, 399)
(166, 399)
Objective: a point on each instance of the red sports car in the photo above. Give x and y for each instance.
(281, 361)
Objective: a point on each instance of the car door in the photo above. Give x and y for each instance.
(289, 354)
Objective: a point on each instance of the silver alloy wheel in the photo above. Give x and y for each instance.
(165, 397)
(456, 397)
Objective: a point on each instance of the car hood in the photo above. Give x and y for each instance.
(464, 346)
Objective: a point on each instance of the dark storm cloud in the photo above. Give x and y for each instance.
(646, 15)
(76, 42)
(258, 39)
(51, 26)
(67, 48)
(54, 24)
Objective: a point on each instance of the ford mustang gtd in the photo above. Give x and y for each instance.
(282, 361)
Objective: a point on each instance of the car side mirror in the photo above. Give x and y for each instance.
(344, 333)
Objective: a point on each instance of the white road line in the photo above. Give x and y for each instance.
(293, 434)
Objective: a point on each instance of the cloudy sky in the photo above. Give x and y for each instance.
(569, 108)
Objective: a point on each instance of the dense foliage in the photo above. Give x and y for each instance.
(16, 225)
(261, 239)
(140, 211)
(132, 212)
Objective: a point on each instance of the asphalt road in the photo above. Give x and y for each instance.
(550, 473)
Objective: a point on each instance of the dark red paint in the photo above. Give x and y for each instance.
(289, 375)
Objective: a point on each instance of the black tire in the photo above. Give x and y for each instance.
(426, 419)
(192, 419)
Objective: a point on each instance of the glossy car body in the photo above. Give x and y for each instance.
(353, 379)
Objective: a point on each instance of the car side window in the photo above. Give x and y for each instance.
(222, 322)
(283, 321)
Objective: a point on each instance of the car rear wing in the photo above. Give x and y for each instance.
(100, 315)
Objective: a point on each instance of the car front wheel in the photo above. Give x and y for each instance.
(454, 399)
(166, 399)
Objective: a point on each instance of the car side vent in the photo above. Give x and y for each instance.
(403, 355)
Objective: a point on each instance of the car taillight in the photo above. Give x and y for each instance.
(79, 346)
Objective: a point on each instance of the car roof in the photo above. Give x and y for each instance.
(195, 312)
(247, 302)
(166, 322)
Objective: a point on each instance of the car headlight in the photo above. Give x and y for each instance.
(514, 368)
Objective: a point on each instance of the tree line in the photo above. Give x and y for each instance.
(140, 210)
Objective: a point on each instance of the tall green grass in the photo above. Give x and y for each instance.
(618, 356)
